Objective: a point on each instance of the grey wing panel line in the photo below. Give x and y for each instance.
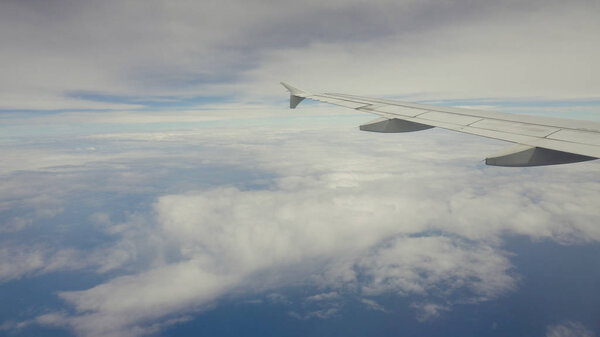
(529, 119)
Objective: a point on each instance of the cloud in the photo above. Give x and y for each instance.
(346, 217)
(568, 329)
(420, 264)
(372, 305)
(331, 208)
(17, 261)
(122, 55)
(428, 311)
(323, 297)
(277, 298)
(124, 302)
(320, 314)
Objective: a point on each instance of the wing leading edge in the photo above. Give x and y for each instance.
(539, 140)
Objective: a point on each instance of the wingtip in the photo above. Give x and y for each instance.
(291, 89)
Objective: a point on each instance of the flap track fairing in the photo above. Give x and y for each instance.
(393, 125)
(523, 155)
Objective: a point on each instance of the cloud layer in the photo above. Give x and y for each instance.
(65, 54)
(335, 209)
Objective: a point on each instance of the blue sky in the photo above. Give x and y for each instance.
(155, 183)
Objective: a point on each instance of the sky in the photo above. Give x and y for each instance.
(155, 183)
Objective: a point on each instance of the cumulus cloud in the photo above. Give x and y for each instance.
(341, 212)
(420, 264)
(122, 304)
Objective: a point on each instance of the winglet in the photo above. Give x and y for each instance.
(296, 95)
(292, 90)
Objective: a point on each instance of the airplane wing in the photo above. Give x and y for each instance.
(538, 140)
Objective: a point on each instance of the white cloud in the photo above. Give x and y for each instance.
(568, 329)
(342, 221)
(372, 305)
(420, 264)
(341, 210)
(499, 54)
(128, 304)
(15, 224)
(428, 311)
(17, 261)
(323, 297)
(277, 298)
(320, 314)
(180, 49)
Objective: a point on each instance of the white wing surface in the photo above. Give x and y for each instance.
(539, 140)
